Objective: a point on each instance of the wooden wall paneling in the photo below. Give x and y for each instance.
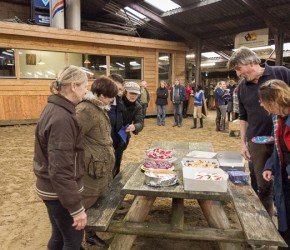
(25, 98)
(83, 36)
(2, 108)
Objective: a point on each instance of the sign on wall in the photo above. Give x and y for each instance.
(251, 39)
(40, 12)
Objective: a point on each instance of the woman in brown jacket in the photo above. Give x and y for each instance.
(99, 151)
(59, 160)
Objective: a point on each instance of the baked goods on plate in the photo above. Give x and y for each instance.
(202, 163)
(158, 154)
(157, 165)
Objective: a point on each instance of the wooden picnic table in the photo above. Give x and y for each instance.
(256, 228)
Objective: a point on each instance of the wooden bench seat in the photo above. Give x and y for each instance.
(102, 212)
(255, 221)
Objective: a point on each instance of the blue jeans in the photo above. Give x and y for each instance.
(177, 111)
(161, 114)
(64, 236)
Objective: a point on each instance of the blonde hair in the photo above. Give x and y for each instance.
(219, 84)
(69, 74)
(275, 92)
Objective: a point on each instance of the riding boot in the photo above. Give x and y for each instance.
(223, 124)
(218, 125)
(229, 116)
(194, 123)
(201, 123)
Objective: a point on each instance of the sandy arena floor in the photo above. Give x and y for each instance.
(23, 220)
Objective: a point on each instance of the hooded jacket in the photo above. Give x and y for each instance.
(58, 155)
(98, 145)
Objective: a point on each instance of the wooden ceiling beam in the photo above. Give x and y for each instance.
(189, 7)
(189, 37)
(19, 2)
(262, 13)
(230, 32)
(218, 21)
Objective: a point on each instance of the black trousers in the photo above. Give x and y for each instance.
(64, 236)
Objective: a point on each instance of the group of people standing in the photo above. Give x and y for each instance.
(179, 96)
(224, 103)
(79, 142)
(81, 136)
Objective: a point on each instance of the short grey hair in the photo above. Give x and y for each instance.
(243, 56)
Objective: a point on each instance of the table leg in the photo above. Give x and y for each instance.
(216, 217)
(177, 217)
(137, 213)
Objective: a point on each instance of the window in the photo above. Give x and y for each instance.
(94, 65)
(7, 65)
(165, 67)
(40, 64)
(128, 67)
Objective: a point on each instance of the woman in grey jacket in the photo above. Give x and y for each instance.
(98, 145)
(59, 160)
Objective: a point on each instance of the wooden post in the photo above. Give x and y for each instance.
(279, 39)
(198, 62)
(216, 217)
(137, 213)
(177, 218)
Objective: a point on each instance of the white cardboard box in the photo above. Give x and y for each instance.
(201, 162)
(202, 154)
(191, 184)
(231, 160)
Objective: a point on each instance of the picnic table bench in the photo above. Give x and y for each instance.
(101, 213)
(256, 226)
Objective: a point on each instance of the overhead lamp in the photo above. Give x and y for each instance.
(6, 53)
(259, 48)
(134, 63)
(120, 64)
(190, 56)
(164, 58)
(10, 63)
(40, 62)
(210, 55)
(87, 61)
(87, 71)
(207, 64)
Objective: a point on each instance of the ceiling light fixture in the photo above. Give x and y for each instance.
(165, 5)
(207, 64)
(40, 62)
(135, 13)
(258, 48)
